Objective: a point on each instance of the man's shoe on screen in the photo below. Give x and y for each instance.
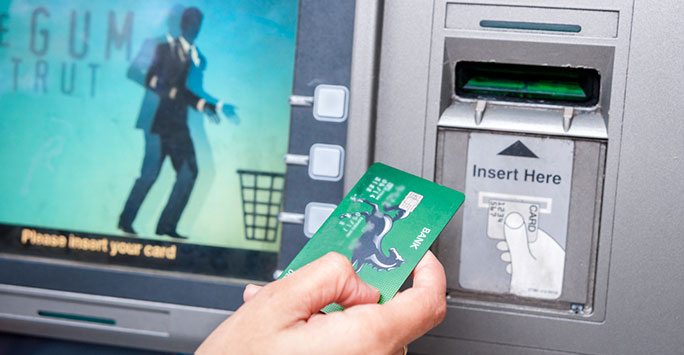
(172, 234)
(127, 228)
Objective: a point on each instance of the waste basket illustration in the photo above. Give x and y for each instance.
(261, 194)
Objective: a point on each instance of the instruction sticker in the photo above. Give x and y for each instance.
(515, 223)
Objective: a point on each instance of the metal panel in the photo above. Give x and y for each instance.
(155, 286)
(643, 303)
(582, 236)
(586, 23)
(429, 345)
(404, 56)
(138, 324)
(323, 56)
(511, 50)
(639, 241)
(364, 86)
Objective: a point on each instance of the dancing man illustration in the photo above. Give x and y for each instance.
(169, 134)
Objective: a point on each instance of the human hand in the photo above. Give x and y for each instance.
(229, 112)
(536, 267)
(210, 110)
(284, 316)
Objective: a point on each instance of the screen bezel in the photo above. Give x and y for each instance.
(142, 285)
(319, 22)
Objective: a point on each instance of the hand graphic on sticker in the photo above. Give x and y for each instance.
(536, 267)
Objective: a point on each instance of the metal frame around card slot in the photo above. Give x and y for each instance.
(450, 171)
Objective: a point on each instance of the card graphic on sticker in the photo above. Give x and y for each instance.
(384, 225)
(499, 209)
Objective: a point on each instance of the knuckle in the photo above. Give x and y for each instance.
(433, 310)
(440, 311)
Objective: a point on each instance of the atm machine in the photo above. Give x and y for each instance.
(559, 120)
(481, 96)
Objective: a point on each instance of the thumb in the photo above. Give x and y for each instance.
(516, 238)
(330, 279)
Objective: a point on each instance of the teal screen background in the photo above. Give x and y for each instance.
(69, 154)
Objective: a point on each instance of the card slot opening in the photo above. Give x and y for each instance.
(565, 86)
(531, 26)
(77, 317)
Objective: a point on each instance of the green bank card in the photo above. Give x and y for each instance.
(384, 226)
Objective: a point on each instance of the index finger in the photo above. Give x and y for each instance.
(328, 279)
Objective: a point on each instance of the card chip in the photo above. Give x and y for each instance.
(411, 201)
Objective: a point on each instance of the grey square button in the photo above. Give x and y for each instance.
(330, 103)
(315, 215)
(326, 162)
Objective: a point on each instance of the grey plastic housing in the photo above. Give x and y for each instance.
(396, 104)
(582, 237)
(637, 281)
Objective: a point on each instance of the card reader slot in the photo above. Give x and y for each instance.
(54, 308)
(531, 26)
(536, 84)
(512, 118)
(76, 317)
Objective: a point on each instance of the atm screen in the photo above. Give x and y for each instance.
(146, 133)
